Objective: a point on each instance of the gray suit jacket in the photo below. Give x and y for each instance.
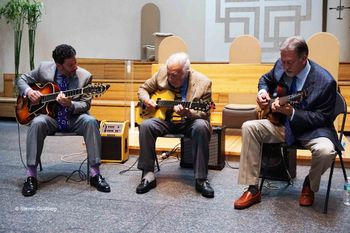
(199, 88)
(45, 72)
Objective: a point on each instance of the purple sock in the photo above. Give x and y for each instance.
(94, 170)
(32, 171)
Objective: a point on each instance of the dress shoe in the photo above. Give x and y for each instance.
(100, 183)
(247, 199)
(203, 186)
(30, 186)
(306, 197)
(145, 186)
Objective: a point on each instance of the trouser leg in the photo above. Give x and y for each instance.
(323, 153)
(200, 137)
(87, 126)
(149, 130)
(254, 134)
(40, 127)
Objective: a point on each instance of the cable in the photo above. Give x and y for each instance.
(129, 169)
(82, 175)
(19, 145)
(227, 164)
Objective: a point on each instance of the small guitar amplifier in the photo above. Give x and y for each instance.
(114, 141)
(216, 151)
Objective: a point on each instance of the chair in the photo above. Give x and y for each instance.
(181, 136)
(245, 49)
(340, 109)
(170, 45)
(60, 134)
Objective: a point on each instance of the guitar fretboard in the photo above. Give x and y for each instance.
(69, 93)
(190, 105)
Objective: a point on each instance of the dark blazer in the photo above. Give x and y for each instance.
(313, 117)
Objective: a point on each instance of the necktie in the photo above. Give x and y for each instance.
(62, 112)
(289, 137)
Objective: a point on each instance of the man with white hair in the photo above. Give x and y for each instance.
(186, 85)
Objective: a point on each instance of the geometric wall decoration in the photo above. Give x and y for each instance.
(270, 21)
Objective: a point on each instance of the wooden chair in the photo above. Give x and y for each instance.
(169, 46)
(245, 49)
(340, 110)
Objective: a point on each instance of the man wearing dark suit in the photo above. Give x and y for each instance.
(188, 85)
(309, 123)
(71, 116)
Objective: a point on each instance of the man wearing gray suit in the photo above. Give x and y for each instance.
(187, 85)
(71, 114)
(308, 123)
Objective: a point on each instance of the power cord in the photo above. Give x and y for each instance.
(19, 145)
(129, 168)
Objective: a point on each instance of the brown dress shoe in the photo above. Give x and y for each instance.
(247, 200)
(306, 197)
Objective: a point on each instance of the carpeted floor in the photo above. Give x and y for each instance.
(174, 206)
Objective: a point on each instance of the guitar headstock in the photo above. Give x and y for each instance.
(96, 89)
(204, 106)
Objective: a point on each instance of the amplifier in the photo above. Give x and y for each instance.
(272, 165)
(114, 141)
(216, 151)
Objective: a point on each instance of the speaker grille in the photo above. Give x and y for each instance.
(216, 151)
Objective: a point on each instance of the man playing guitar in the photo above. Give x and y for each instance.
(309, 123)
(71, 114)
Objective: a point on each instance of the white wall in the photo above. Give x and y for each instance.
(104, 29)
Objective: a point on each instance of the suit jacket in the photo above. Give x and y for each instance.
(46, 71)
(199, 88)
(314, 116)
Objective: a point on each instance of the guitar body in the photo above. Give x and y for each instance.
(277, 118)
(26, 111)
(141, 113)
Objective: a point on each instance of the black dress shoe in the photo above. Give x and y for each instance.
(204, 188)
(145, 186)
(30, 186)
(100, 183)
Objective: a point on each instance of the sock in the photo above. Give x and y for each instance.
(253, 189)
(94, 171)
(32, 171)
(149, 176)
(306, 181)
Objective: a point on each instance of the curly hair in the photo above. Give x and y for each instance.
(63, 52)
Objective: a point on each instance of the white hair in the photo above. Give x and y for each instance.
(179, 58)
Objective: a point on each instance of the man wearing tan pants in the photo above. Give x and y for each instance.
(308, 122)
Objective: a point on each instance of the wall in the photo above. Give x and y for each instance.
(103, 29)
(111, 29)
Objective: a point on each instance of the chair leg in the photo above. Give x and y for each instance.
(87, 170)
(40, 166)
(290, 180)
(157, 163)
(343, 167)
(328, 188)
(264, 172)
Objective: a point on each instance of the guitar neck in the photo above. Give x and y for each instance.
(171, 104)
(69, 93)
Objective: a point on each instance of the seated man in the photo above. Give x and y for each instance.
(187, 85)
(71, 116)
(308, 123)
